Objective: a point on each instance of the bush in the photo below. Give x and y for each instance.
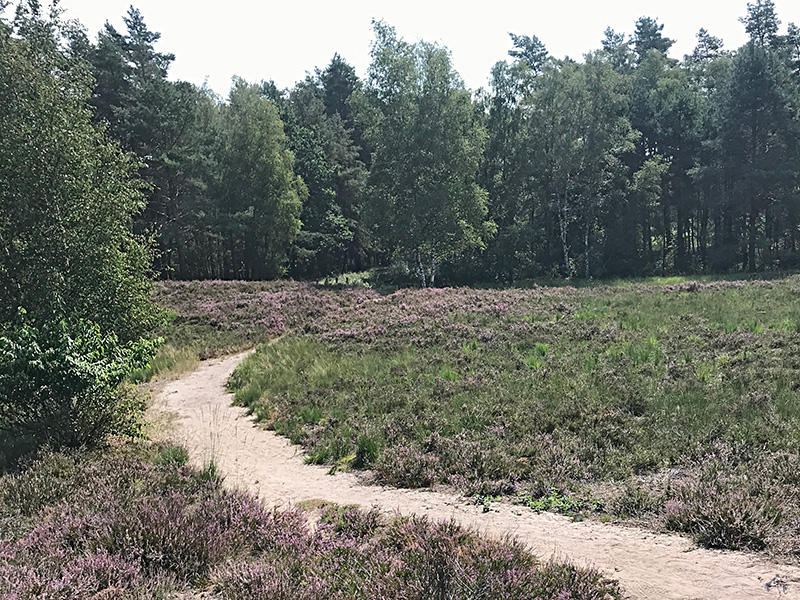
(406, 466)
(60, 385)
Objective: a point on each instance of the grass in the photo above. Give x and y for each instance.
(659, 280)
(676, 404)
(137, 523)
(199, 327)
(169, 359)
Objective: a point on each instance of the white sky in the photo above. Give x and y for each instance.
(282, 40)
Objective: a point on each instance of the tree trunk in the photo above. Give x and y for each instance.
(703, 238)
(231, 270)
(680, 240)
(433, 268)
(183, 272)
(751, 241)
(420, 271)
(586, 247)
(562, 221)
(667, 239)
(770, 238)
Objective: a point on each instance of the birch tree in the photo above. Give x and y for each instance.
(427, 141)
(579, 132)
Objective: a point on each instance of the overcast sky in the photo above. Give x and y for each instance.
(282, 40)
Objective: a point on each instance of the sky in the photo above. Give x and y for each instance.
(284, 40)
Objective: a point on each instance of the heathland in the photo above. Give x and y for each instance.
(671, 405)
(136, 523)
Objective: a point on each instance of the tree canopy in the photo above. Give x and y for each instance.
(427, 143)
(68, 194)
(625, 162)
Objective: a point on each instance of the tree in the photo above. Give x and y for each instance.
(793, 48)
(759, 138)
(677, 115)
(507, 175)
(648, 37)
(427, 141)
(315, 115)
(75, 308)
(618, 51)
(155, 118)
(529, 49)
(339, 81)
(581, 132)
(761, 22)
(708, 47)
(646, 194)
(258, 193)
(67, 194)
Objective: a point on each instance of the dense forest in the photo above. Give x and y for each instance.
(626, 163)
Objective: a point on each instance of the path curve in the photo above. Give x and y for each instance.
(649, 566)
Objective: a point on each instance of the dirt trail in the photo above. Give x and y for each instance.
(200, 415)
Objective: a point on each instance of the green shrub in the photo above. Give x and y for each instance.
(60, 384)
(557, 501)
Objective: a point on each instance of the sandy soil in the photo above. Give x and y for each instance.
(196, 411)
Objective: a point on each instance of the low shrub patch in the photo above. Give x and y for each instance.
(135, 523)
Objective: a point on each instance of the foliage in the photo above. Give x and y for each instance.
(75, 306)
(529, 49)
(427, 142)
(258, 190)
(624, 163)
(223, 200)
(67, 194)
(580, 117)
(325, 141)
(60, 385)
(555, 501)
(648, 37)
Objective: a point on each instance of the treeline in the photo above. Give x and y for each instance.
(625, 163)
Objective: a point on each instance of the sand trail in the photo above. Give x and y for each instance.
(648, 565)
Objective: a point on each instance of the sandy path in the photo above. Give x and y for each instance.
(648, 565)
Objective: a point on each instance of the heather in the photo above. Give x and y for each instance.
(135, 522)
(672, 405)
(198, 329)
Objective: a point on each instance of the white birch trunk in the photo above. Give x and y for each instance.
(420, 271)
